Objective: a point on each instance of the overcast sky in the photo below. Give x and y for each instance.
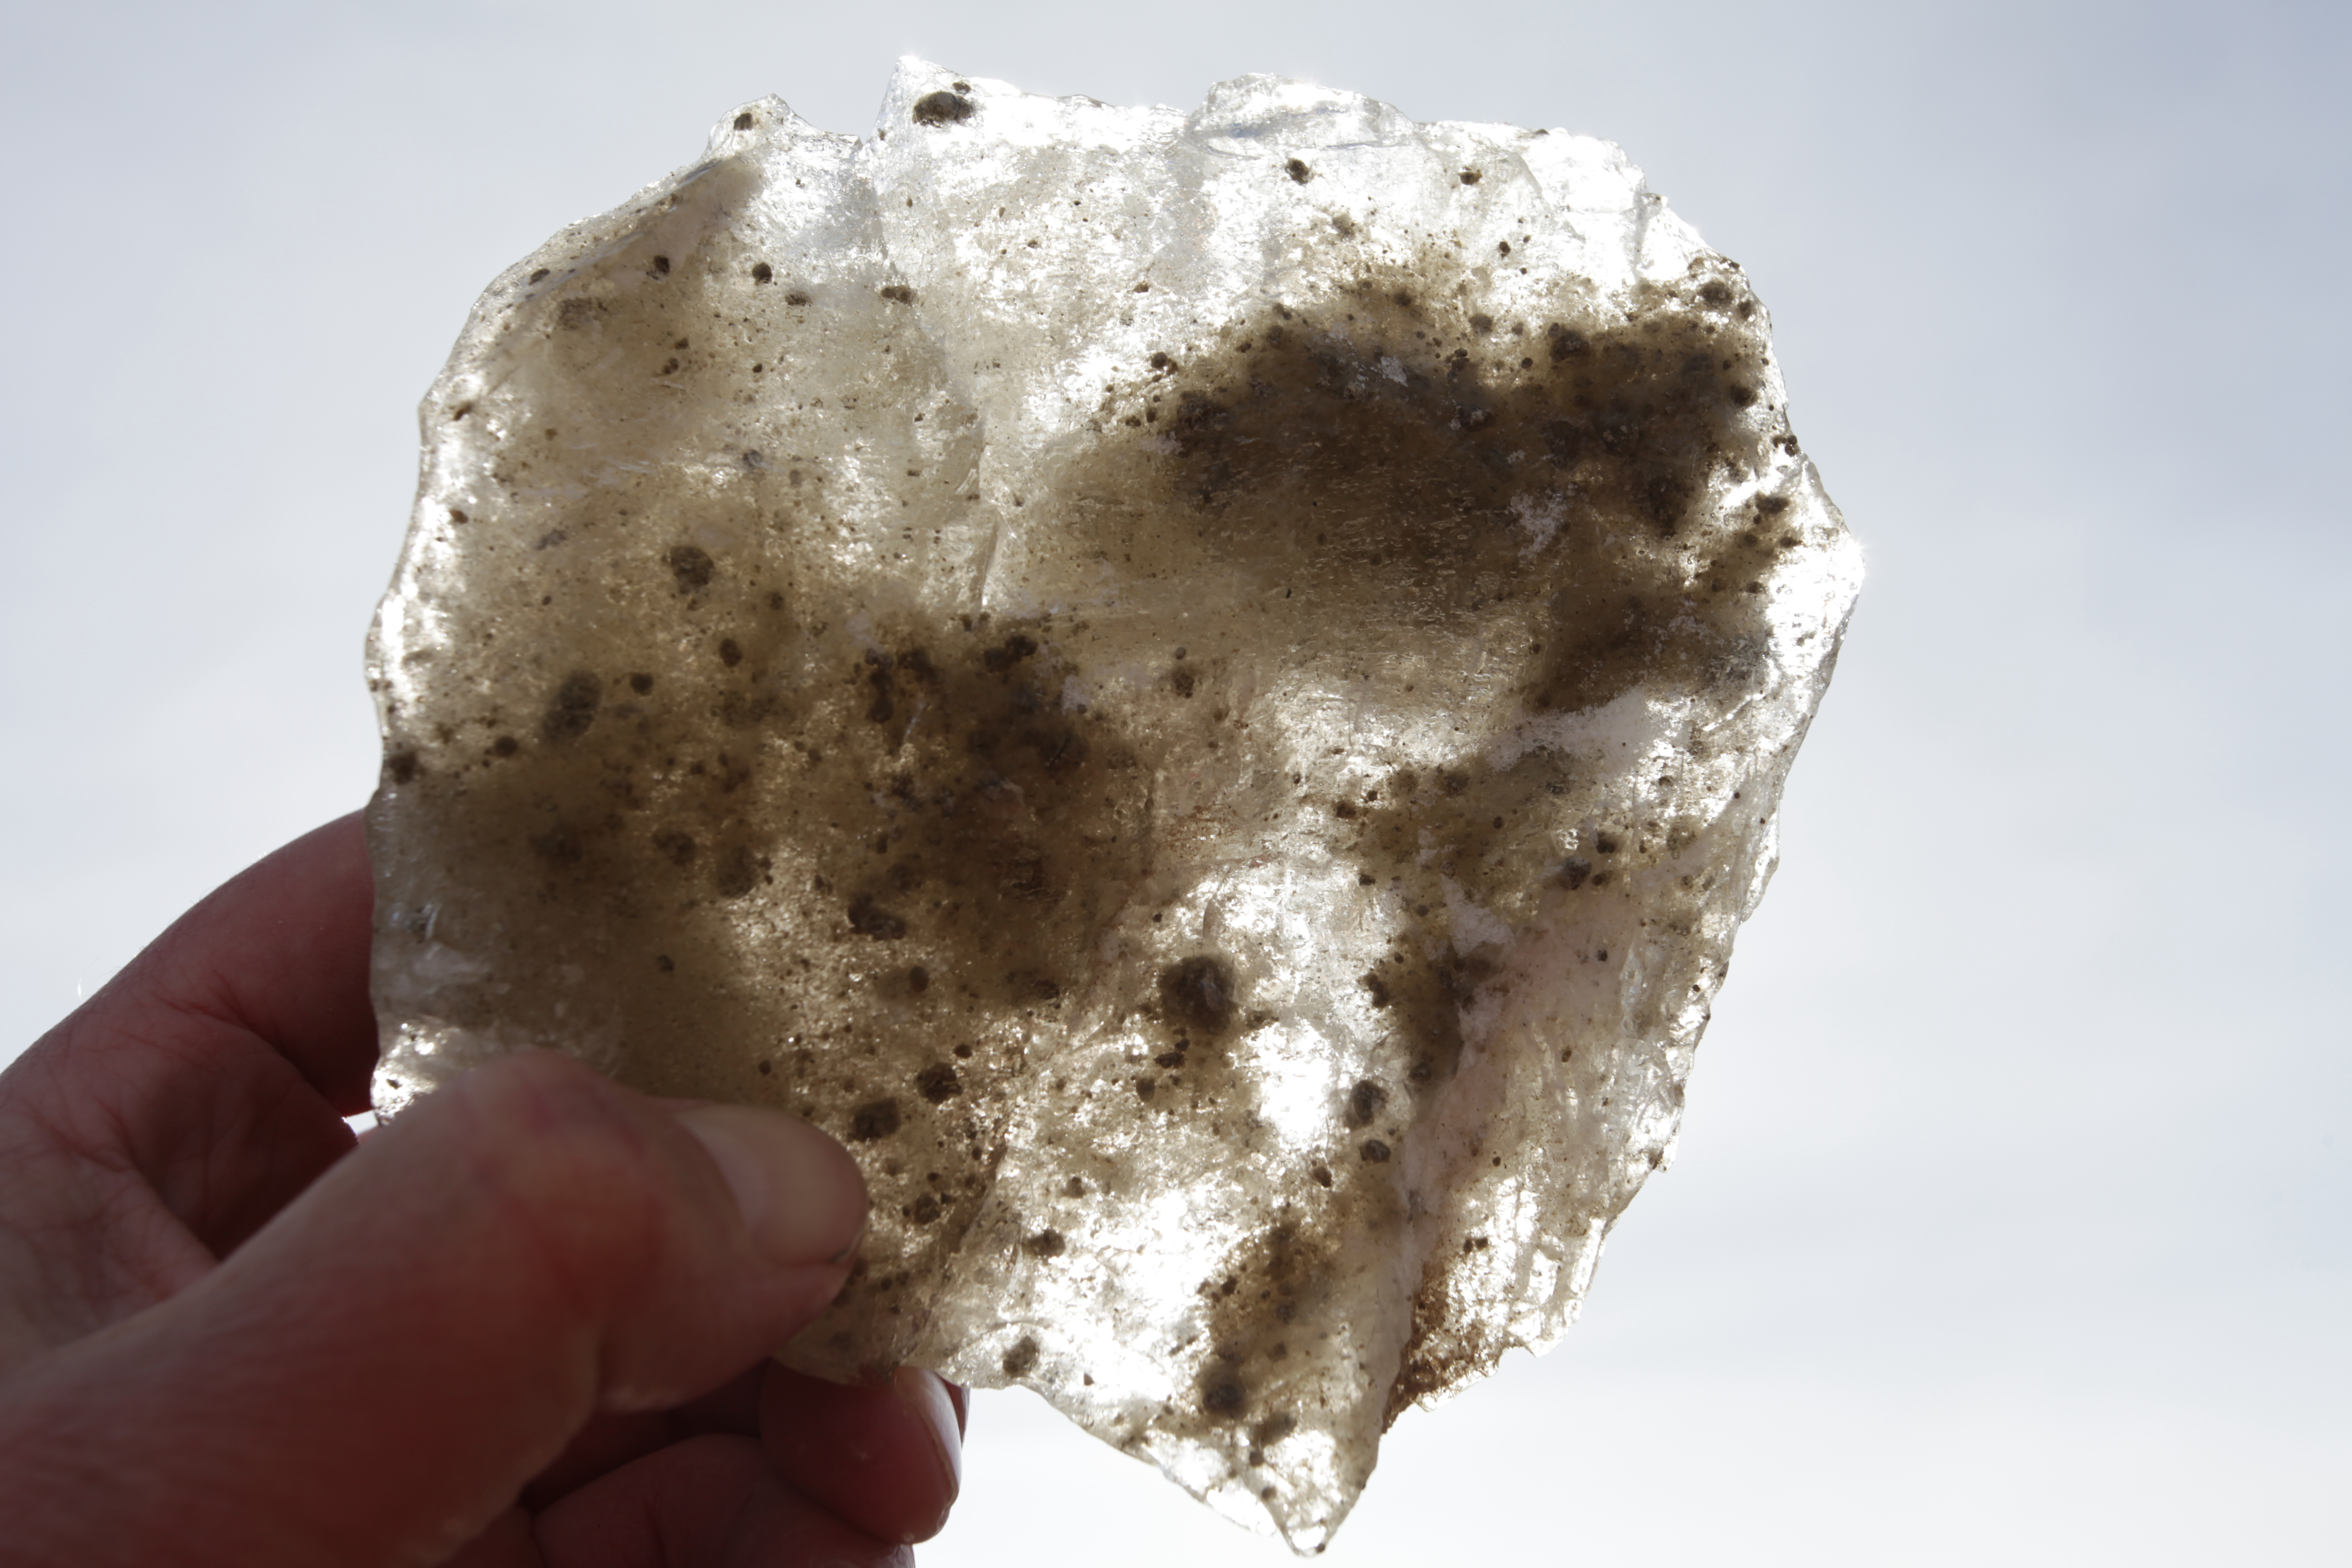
(2013, 1218)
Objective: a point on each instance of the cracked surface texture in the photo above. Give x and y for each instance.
(1207, 692)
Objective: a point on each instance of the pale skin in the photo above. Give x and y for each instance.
(528, 1324)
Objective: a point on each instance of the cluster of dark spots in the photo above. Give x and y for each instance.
(1008, 653)
(573, 709)
(1276, 1287)
(1469, 830)
(1044, 1244)
(874, 1119)
(1264, 1434)
(898, 293)
(1372, 459)
(986, 828)
(739, 869)
(1478, 826)
(692, 567)
(1446, 1343)
(1574, 874)
(1223, 1396)
(882, 673)
(1299, 171)
(939, 1083)
(868, 918)
(1198, 993)
(880, 667)
(942, 108)
(1180, 680)
(1021, 1357)
(401, 766)
(674, 847)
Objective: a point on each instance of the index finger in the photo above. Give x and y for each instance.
(278, 952)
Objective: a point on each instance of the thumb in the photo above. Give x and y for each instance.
(374, 1376)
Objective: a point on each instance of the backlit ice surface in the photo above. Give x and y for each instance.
(1208, 691)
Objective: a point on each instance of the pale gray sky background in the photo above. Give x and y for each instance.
(2012, 1220)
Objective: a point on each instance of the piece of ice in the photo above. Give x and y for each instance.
(1208, 691)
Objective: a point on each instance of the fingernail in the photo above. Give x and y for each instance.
(927, 1396)
(799, 1192)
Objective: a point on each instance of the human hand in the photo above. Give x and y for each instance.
(526, 1325)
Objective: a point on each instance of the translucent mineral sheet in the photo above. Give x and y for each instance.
(1207, 692)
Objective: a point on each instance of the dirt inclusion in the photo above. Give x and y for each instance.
(1208, 694)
